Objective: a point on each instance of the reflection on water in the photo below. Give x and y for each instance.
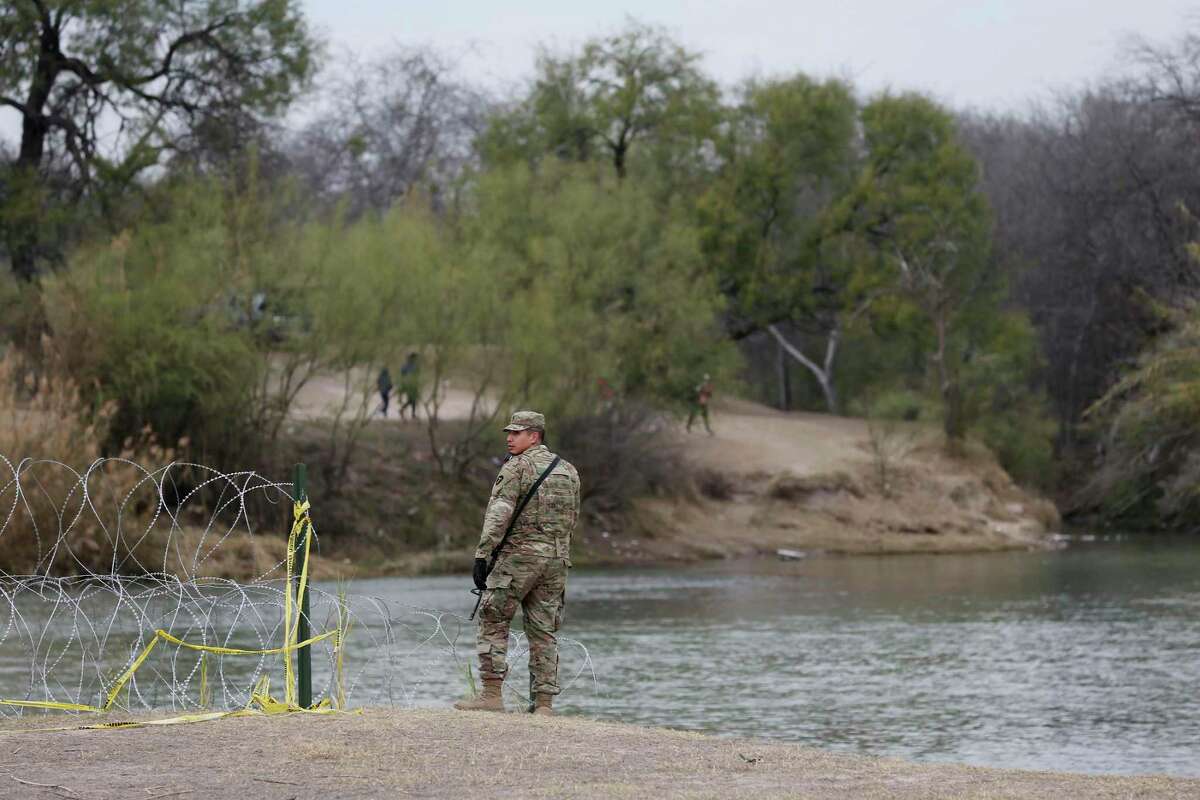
(1081, 660)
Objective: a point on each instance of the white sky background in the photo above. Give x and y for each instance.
(980, 54)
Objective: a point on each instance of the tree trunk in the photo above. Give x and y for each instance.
(619, 160)
(23, 236)
(785, 387)
(953, 413)
(824, 375)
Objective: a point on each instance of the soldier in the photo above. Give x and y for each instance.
(410, 385)
(700, 397)
(531, 568)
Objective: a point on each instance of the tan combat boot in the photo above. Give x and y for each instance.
(488, 700)
(543, 704)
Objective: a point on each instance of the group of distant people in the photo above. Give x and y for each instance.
(408, 391)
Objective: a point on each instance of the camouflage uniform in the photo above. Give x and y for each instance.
(532, 568)
(700, 397)
(410, 385)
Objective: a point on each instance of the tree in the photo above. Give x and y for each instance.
(575, 249)
(788, 154)
(919, 206)
(108, 86)
(636, 87)
(387, 125)
(1086, 198)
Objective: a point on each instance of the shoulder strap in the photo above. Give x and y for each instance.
(521, 507)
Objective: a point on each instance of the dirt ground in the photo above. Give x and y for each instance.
(452, 754)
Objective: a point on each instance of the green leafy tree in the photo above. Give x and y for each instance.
(103, 88)
(146, 322)
(918, 205)
(577, 251)
(788, 153)
(636, 89)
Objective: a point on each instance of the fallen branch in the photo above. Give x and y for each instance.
(66, 789)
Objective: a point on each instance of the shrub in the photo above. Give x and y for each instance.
(891, 433)
(621, 453)
(1150, 419)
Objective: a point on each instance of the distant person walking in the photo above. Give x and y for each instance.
(410, 385)
(701, 395)
(608, 395)
(384, 384)
(527, 536)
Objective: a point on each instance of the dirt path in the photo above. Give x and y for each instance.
(748, 437)
(451, 754)
(323, 395)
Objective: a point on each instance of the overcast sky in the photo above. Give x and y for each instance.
(978, 53)
(982, 54)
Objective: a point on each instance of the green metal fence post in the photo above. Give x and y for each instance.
(303, 655)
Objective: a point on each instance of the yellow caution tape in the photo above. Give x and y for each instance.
(48, 704)
(301, 524)
(260, 696)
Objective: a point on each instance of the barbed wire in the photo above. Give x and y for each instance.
(94, 562)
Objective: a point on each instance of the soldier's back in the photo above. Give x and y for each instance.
(548, 522)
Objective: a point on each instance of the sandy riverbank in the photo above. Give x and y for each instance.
(452, 754)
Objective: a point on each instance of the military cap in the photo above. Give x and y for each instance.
(526, 421)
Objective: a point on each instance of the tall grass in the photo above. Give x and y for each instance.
(48, 431)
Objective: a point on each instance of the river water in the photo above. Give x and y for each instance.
(1086, 659)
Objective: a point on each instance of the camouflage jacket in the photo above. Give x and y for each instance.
(545, 526)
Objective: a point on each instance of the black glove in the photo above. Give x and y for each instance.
(480, 573)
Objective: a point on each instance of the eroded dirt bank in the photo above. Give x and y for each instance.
(451, 754)
(815, 483)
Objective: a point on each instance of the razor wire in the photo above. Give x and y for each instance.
(95, 563)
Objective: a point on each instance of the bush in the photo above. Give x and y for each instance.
(621, 452)
(1022, 438)
(891, 435)
(1151, 431)
(714, 484)
(148, 323)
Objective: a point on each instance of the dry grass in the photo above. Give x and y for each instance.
(240, 555)
(47, 432)
(449, 754)
(52, 527)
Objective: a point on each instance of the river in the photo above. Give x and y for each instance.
(1086, 659)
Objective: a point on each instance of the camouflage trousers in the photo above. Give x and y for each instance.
(538, 585)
